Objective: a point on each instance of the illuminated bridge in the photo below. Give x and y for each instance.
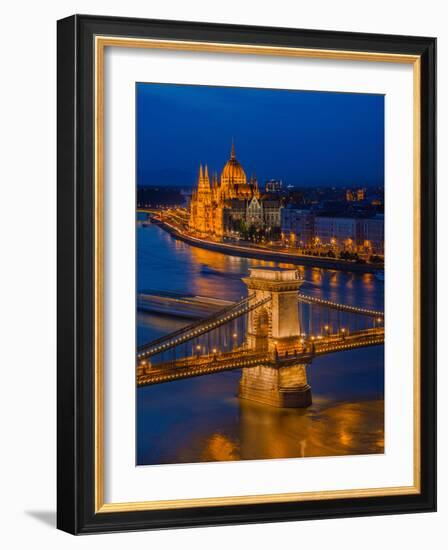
(273, 334)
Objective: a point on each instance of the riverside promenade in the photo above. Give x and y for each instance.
(269, 255)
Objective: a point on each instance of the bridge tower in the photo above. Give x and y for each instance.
(275, 328)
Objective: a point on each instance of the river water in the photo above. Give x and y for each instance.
(201, 419)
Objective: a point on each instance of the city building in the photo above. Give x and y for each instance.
(297, 226)
(224, 206)
(272, 208)
(356, 195)
(372, 231)
(308, 229)
(341, 233)
(273, 186)
(254, 212)
(364, 235)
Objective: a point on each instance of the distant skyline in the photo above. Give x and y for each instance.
(303, 138)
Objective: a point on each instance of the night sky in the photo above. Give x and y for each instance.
(303, 138)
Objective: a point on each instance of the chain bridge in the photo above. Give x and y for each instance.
(272, 335)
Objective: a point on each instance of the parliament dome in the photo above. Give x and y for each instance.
(233, 171)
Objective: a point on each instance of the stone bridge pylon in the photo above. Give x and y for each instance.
(275, 328)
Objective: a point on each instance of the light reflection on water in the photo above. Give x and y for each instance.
(201, 419)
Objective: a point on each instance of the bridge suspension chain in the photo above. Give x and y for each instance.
(311, 300)
(200, 327)
(192, 326)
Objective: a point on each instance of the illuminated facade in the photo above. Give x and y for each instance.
(297, 225)
(307, 229)
(340, 232)
(219, 206)
(372, 231)
(356, 195)
(362, 235)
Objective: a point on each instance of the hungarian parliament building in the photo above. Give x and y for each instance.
(224, 206)
(233, 206)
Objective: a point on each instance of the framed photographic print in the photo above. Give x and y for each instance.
(246, 267)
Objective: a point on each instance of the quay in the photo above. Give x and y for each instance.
(268, 255)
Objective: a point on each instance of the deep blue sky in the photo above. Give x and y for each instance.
(303, 138)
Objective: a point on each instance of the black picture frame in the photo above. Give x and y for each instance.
(76, 259)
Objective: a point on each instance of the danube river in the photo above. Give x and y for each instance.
(201, 419)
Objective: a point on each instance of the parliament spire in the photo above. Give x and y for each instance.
(232, 153)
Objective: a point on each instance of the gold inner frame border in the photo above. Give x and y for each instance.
(101, 42)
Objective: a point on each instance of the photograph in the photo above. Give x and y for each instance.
(260, 254)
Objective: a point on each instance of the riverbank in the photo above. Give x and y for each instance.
(270, 256)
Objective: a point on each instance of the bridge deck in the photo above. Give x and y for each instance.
(246, 358)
